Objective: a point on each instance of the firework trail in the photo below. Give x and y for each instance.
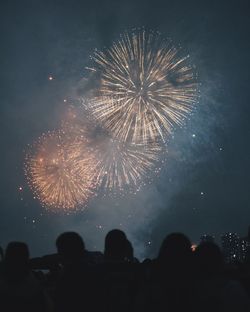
(146, 88)
(59, 170)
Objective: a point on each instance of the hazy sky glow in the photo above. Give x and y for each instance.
(204, 187)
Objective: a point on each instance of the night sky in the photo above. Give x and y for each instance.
(204, 185)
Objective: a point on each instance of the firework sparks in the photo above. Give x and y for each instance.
(146, 88)
(59, 170)
(122, 166)
(119, 165)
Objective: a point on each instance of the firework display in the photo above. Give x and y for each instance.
(119, 165)
(59, 170)
(146, 87)
(122, 165)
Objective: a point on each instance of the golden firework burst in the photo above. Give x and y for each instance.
(146, 87)
(124, 166)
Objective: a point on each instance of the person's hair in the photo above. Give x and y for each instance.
(115, 242)
(175, 246)
(17, 252)
(16, 261)
(70, 244)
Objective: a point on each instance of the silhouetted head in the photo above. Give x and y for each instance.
(17, 253)
(209, 258)
(16, 261)
(175, 248)
(70, 246)
(116, 245)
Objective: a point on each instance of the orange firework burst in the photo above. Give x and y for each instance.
(146, 87)
(59, 170)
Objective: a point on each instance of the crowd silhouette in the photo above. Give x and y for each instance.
(75, 279)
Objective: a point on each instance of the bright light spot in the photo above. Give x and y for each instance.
(193, 247)
(193, 135)
(51, 78)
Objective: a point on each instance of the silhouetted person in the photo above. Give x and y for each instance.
(175, 251)
(19, 289)
(16, 261)
(77, 287)
(214, 290)
(169, 287)
(71, 248)
(119, 275)
(115, 246)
